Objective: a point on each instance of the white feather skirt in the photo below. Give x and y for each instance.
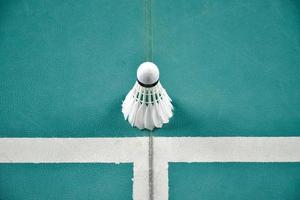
(147, 108)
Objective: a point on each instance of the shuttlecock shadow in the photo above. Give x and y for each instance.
(182, 120)
(189, 122)
(185, 122)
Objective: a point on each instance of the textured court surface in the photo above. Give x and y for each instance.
(231, 67)
(65, 181)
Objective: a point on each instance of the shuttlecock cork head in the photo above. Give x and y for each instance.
(148, 74)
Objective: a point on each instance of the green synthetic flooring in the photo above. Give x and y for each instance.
(67, 181)
(234, 181)
(231, 67)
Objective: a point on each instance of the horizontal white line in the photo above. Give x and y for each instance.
(106, 150)
(227, 149)
(166, 149)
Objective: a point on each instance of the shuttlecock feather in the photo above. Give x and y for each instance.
(147, 105)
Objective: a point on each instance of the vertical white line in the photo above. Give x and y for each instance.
(140, 180)
(160, 171)
(161, 181)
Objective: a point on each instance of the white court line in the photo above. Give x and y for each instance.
(218, 149)
(82, 150)
(135, 150)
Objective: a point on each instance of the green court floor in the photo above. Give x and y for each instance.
(212, 181)
(65, 181)
(231, 68)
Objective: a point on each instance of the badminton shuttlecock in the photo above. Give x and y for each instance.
(147, 105)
